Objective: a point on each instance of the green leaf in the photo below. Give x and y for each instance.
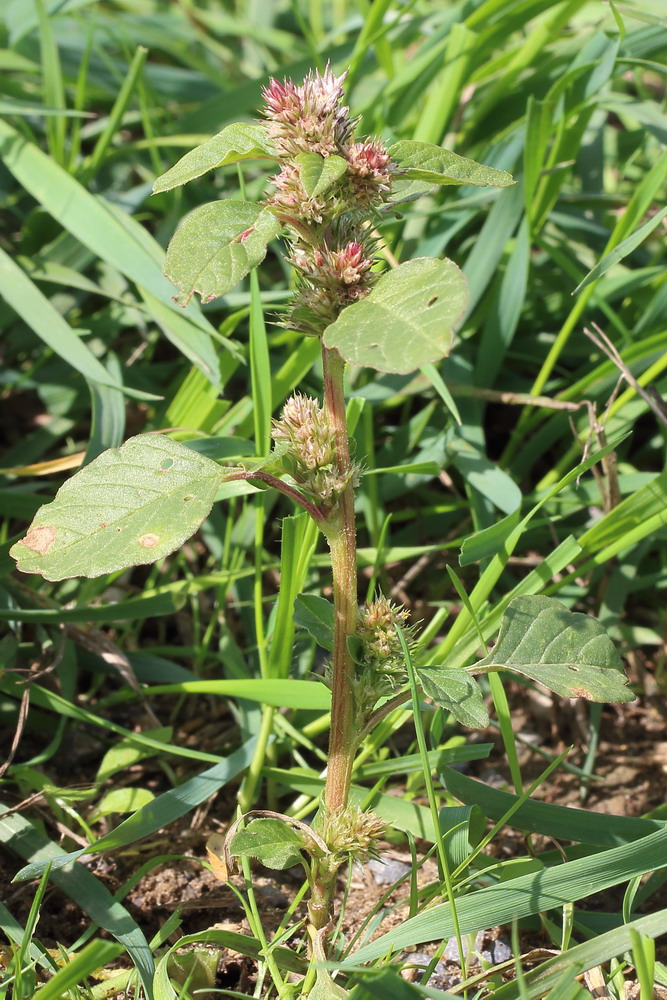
(624, 248)
(584, 956)
(217, 245)
(93, 957)
(316, 615)
(569, 653)
(407, 319)
(561, 822)
(326, 989)
(44, 319)
(318, 173)
(272, 841)
(131, 506)
(424, 161)
(285, 958)
(452, 690)
(127, 752)
(388, 985)
(123, 800)
(115, 237)
(83, 888)
(155, 815)
(526, 895)
(236, 142)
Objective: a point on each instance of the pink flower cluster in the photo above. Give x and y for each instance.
(328, 226)
(333, 268)
(330, 280)
(309, 118)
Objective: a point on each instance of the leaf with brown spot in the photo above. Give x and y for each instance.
(407, 320)
(149, 541)
(40, 539)
(568, 652)
(121, 510)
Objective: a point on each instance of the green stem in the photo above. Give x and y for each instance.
(248, 790)
(340, 531)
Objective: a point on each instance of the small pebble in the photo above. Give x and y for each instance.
(452, 949)
(501, 951)
(386, 871)
(419, 960)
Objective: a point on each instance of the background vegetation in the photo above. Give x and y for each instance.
(136, 696)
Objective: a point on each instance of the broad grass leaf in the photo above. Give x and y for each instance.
(406, 321)
(127, 752)
(562, 822)
(316, 615)
(114, 236)
(123, 801)
(581, 957)
(424, 161)
(217, 245)
(44, 319)
(272, 841)
(526, 895)
(162, 811)
(236, 142)
(624, 248)
(278, 691)
(131, 506)
(318, 173)
(569, 653)
(456, 691)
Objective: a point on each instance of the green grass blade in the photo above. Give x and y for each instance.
(561, 822)
(584, 956)
(93, 957)
(44, 319)
(54, 90)
(527, 895)
(165, 809)
(85, 890)
(117, 239)
(116, 116)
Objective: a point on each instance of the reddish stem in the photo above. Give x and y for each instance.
(340, 530)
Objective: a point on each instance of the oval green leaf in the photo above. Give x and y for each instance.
(236, 142)
(131, 506)
(271, 841)
(318, 173)
(568, 652)
(457, 692)
(316, 615)
(217, 245)
(406, 321)
(424, 161)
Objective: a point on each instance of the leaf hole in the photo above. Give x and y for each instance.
(188, 496)
(166, 463)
